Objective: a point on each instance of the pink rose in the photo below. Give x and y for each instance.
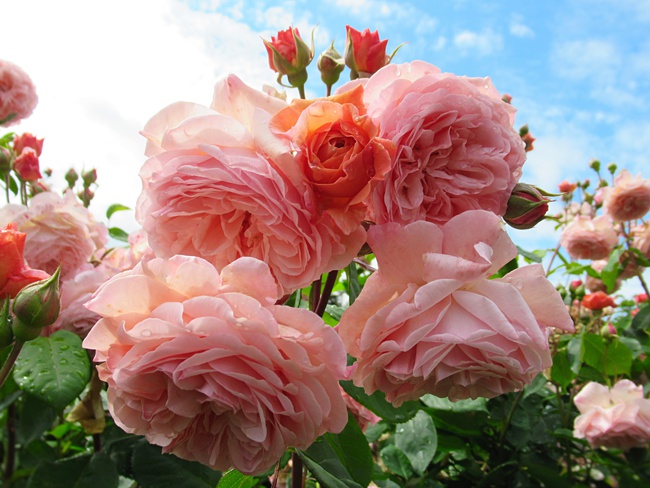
(75, 292)
(628, 199)
(618, 418)
(587, 238)
(60, 231)
(125, 258)
(17, 94)
(28, 140)
(27, 165)
(364, 417)
(596, 284)
(430, 321)
(456, 147)
(206, 366)
(219, 185)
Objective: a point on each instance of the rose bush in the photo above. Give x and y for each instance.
(628, 199)
(587, 238)
(205, 365)
(14, 272)
(17, 94)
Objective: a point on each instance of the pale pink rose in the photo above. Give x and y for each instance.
(75, 292)
(587, 238)
(628, 199)
(206, 366)
(125, 258)
(17, 94)
(618, 417)
(641, 238)
(60, 231)
(430, 321)
(456, 146)
(219, 185)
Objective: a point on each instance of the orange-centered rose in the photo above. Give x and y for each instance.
(338, 150)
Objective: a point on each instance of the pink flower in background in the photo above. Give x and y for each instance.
(456, 147)
(60, 231)
(587, 238)
(17, 94)
(125, 258)
(641, 238)
(628, 199)
(206, 366)
(430, 320)
(75, 292)
(596, 284)
(220, 186)
(618, 417)
(364, 417)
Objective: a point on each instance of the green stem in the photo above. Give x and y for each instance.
(10, 462)
(504, 428)
(11, 359)
(301, 91)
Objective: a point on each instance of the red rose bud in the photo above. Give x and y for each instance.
(36, 306)
(598, 301)
(641, 297)
(14, 273)
(527, 206)
(289, 55)
(575, 284)
(331, 65)
(28, 140)
(507, 98)
(608, 330)
(26, 165)
(89, 177)
(365, 54)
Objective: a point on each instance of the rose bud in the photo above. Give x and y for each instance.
(330, 65)
(289, 55)
(641, 297)
(89, 177)
(36, 306)
(566, 187)
(365, 54)
(527, 206)
(5, 160)
(28, 140)
(608, 330)
(71, 177)
(27, 165)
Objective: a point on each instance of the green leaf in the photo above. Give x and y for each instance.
(352, 449)
(561, 372)
(152, 469)
(531, 256)
(396, 461)
(84, 471)
(235, 479)
(610, 273)
(641, 325)
(610, 357)
(417, 439)
(377, 403)
(575, 353)
(118, 234)
(594, 351)
(116, 207)
(353, 286)
(6, 139)
(322, 461)
(54, 369)
(35, 417)
(468, 405)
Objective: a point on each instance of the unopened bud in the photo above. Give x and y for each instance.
(5, 160)
(89, 177)
(566, 187)
(595, 165)
(580, 292)
(611, 167)
(527, 206)
(330, 64)
(575, 284)
(36, 306)
(507, 98)
(608, 330)
(71, 177)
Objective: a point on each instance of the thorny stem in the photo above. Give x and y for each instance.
(364, 264)
(513, 407)
(550, 263)
(314, 296)
(11, 359)
(296, 471)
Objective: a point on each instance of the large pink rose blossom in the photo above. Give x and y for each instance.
(60, 231)
(628, 199)
(430, 321)
(456, 146)
(208, 367)
(219, 185)
(587, 238)
(17, 94)
(618, 417)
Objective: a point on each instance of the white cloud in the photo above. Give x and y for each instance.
(103, 72)
(596, 58)
(519, 29)
(484, 43)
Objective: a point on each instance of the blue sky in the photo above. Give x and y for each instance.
(578, 71)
